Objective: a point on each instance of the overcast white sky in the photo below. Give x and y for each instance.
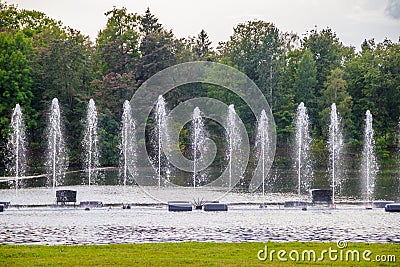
(352, 20)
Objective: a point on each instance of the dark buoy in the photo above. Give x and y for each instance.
(65, 196)
(215, 207)
(87, 208)
(395, 207)
(5, 204)
(179, 206)
(321, 196)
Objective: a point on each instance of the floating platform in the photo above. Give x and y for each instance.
(91, 204)
(5, 204)
(179, 206)
(215, 207)
(381, 204)
(394, 207)
(65, 196)
(321, 196)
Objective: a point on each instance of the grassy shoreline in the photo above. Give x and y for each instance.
(196, 254)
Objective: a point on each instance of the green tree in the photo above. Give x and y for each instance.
(328, 53)
(286, 100)
(118, 55)
(336, 92)
(113, 89)
(117, 44)
(64, 69)
(372, 76)
(108, 139)
(29, 21)
(183, 50)
(202, 46)
(255, 48)
(15, 78)
(364, 78)
(157, 48)
(149, 23)
(305, 83)
(388, 102)
(284, 114)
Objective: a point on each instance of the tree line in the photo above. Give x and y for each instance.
(40, 59)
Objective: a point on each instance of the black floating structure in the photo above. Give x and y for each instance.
(295, 204)
(179, 206)
(65, 196)
(5, 204)
(1, 207)
(215, 207)
(381, 204)
(394, 207)
(90, 204)
(320, 196)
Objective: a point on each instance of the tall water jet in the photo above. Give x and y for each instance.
(263, 145)
(56, 158)
(234, 139)
(90, 143)
(335, 146)
(302, 148)
(127, 169)
(162, 137)
(199, 136)
(16, 165)
(369, 166)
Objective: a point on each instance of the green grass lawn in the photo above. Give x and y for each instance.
(193, 254)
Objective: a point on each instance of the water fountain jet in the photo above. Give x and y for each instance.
(262, 147)
(127, 169)
(302, 149)
(369, 166)
(335, 146)
(57, 159)
(90, 143)
(162, 136)
(16, 166)
(198, 143)
(233, 139)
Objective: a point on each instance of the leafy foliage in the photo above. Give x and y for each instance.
(41, 59)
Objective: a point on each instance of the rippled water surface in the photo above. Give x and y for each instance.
(241, 223)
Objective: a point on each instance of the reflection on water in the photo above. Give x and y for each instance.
(387, 184)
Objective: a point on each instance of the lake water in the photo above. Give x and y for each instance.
(148, 222)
